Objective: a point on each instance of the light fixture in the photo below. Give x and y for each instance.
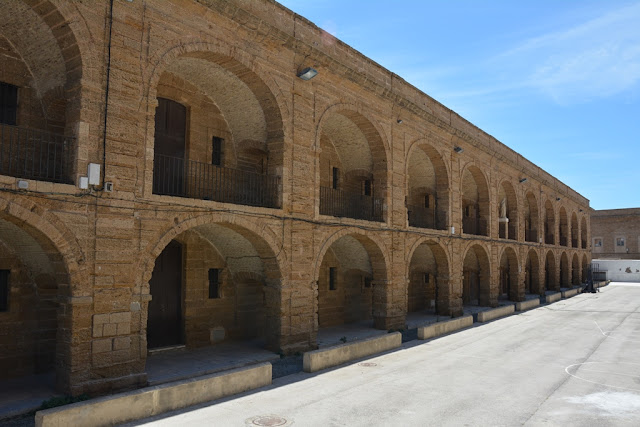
(558, 199)
(523, 180)
(399, 121)
(308, 73)
(458, 149)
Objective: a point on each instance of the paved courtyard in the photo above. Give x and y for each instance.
(575, 362)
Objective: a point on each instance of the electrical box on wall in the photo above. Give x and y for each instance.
(83, 183)
(93, 172)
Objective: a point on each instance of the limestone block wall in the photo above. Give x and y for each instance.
(233, 65)
(615, 233)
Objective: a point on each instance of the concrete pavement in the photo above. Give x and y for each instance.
(575, 362)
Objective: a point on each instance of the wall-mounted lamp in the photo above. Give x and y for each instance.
(308, 73)
(558, 199)
(399, 121)
(458, 149)
(523, 180)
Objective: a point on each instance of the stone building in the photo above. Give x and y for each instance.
(230, 199)
(616, 233)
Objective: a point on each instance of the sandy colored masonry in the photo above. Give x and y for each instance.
(237, 201)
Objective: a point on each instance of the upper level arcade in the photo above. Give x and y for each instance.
(218, 133)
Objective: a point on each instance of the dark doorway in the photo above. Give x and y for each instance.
(164, 327)
(169, 148)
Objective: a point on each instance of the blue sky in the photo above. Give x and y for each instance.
(557, 81)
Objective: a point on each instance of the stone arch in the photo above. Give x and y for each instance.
(532, 231)
(565, 271)
(563, 227)
(351, 274)
(583, 233)
(550, 272)
(574, 231)
(42, 58)
(507, 226)
(475, 201)
(509, 274)
(549, 223)
(428, 273)
(585, 268)
(532, 281)
(576, 278)
(476, 277)
(231, 276)
(45, 272)
(267, 243)
(243, 112)
(427, 186)
(348, 140)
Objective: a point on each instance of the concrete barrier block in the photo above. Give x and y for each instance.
(441, 328)
(570, 293)
(528, 304)
(150, 401)
(553, 297)
(485, 316)
(317, 360)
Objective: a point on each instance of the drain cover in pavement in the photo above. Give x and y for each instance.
(367, 364)
(268, 421)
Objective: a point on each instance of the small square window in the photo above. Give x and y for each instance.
(366, 187)
(216, 151)
(214, 283)
(335, 175)
(367, 282)
(8, 103)
(333, 278)
(426, 278)
(4, 290)
(619, 241)
(597, 243)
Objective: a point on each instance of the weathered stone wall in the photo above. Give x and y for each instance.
(616, 233)
(102, 246)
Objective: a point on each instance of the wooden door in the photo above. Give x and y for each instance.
(164, 327)
(169, 148)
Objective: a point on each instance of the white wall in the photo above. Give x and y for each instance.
(620, 270)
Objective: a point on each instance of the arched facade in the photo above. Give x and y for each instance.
(258, 205)
(549, 224)
(507, 212)
(475, 202)
(532, 231)
(351, 277)
(532, 282)
(476, 275)
(217, 129)
(427, 187)
(352, 165)
(565, 271)
(428, 273)
(551, 275)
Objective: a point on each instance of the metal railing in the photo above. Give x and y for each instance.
(34, 154)
(350, 205)
(531, 235)
(477, 226)
(549, 239)
(173, 176)
(422, 217)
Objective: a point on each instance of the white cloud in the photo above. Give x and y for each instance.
(595, 59)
